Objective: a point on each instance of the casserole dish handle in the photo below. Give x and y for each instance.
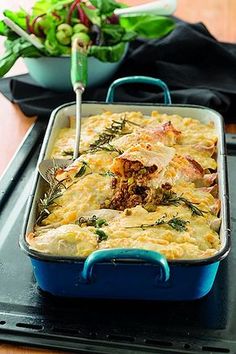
(140, 80)
(128, 254)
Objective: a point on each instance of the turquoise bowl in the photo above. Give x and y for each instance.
(53, 73)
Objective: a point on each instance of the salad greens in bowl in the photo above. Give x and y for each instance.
(54, 24)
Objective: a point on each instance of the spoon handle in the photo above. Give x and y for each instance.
(158, 7)
(79, 81)
(78, 64)
(18, 30)
(78, 123)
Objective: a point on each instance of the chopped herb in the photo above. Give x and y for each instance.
(170, 197)
(102, 236)
(82, 170)
(108, 174)
(176, 223)
(97, 223)
(101, 222)
(92, 221)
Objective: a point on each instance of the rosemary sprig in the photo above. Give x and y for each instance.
(48, 200)
(192, 206)
(68, 152)
(110, 133)
(109, 148)
(176, 223)
(116, 129)
(170, 197)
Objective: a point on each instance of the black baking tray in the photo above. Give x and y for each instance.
(29, 316)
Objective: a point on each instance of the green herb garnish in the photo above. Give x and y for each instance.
(55, 190)
(108, 174)
(110, 148)
(92, 221)
(95, 222)
(67, 153)
(170, 197)
(82, 170)
(102, 236)
(103, 142)
(48, 200)
(176, 223)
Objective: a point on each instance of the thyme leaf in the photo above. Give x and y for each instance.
(176, 223)
(170, 197)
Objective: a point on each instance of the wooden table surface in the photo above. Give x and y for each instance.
(219, 16)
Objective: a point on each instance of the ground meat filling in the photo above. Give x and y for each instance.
(131, 189)
(136, 169)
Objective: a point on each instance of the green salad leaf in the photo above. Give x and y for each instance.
(14, 50)
(105, 7)
(3, 29)
(92, 14)
(18, 17)
(108, 53)
(52, 46)
(57, 22)
(112, 33)
(43, 6)
(148, 26)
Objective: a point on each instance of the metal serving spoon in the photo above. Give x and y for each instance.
(78, 80)
(18, 30)
(158, 7)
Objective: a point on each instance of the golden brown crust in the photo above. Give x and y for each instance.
(152, 185)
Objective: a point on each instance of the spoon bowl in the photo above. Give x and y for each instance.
(48, 167)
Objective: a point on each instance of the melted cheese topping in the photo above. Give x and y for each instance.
(114, 194)
(87, 193)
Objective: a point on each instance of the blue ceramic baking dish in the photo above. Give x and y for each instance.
(128, 273)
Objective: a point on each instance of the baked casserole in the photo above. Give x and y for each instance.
(146, 182)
